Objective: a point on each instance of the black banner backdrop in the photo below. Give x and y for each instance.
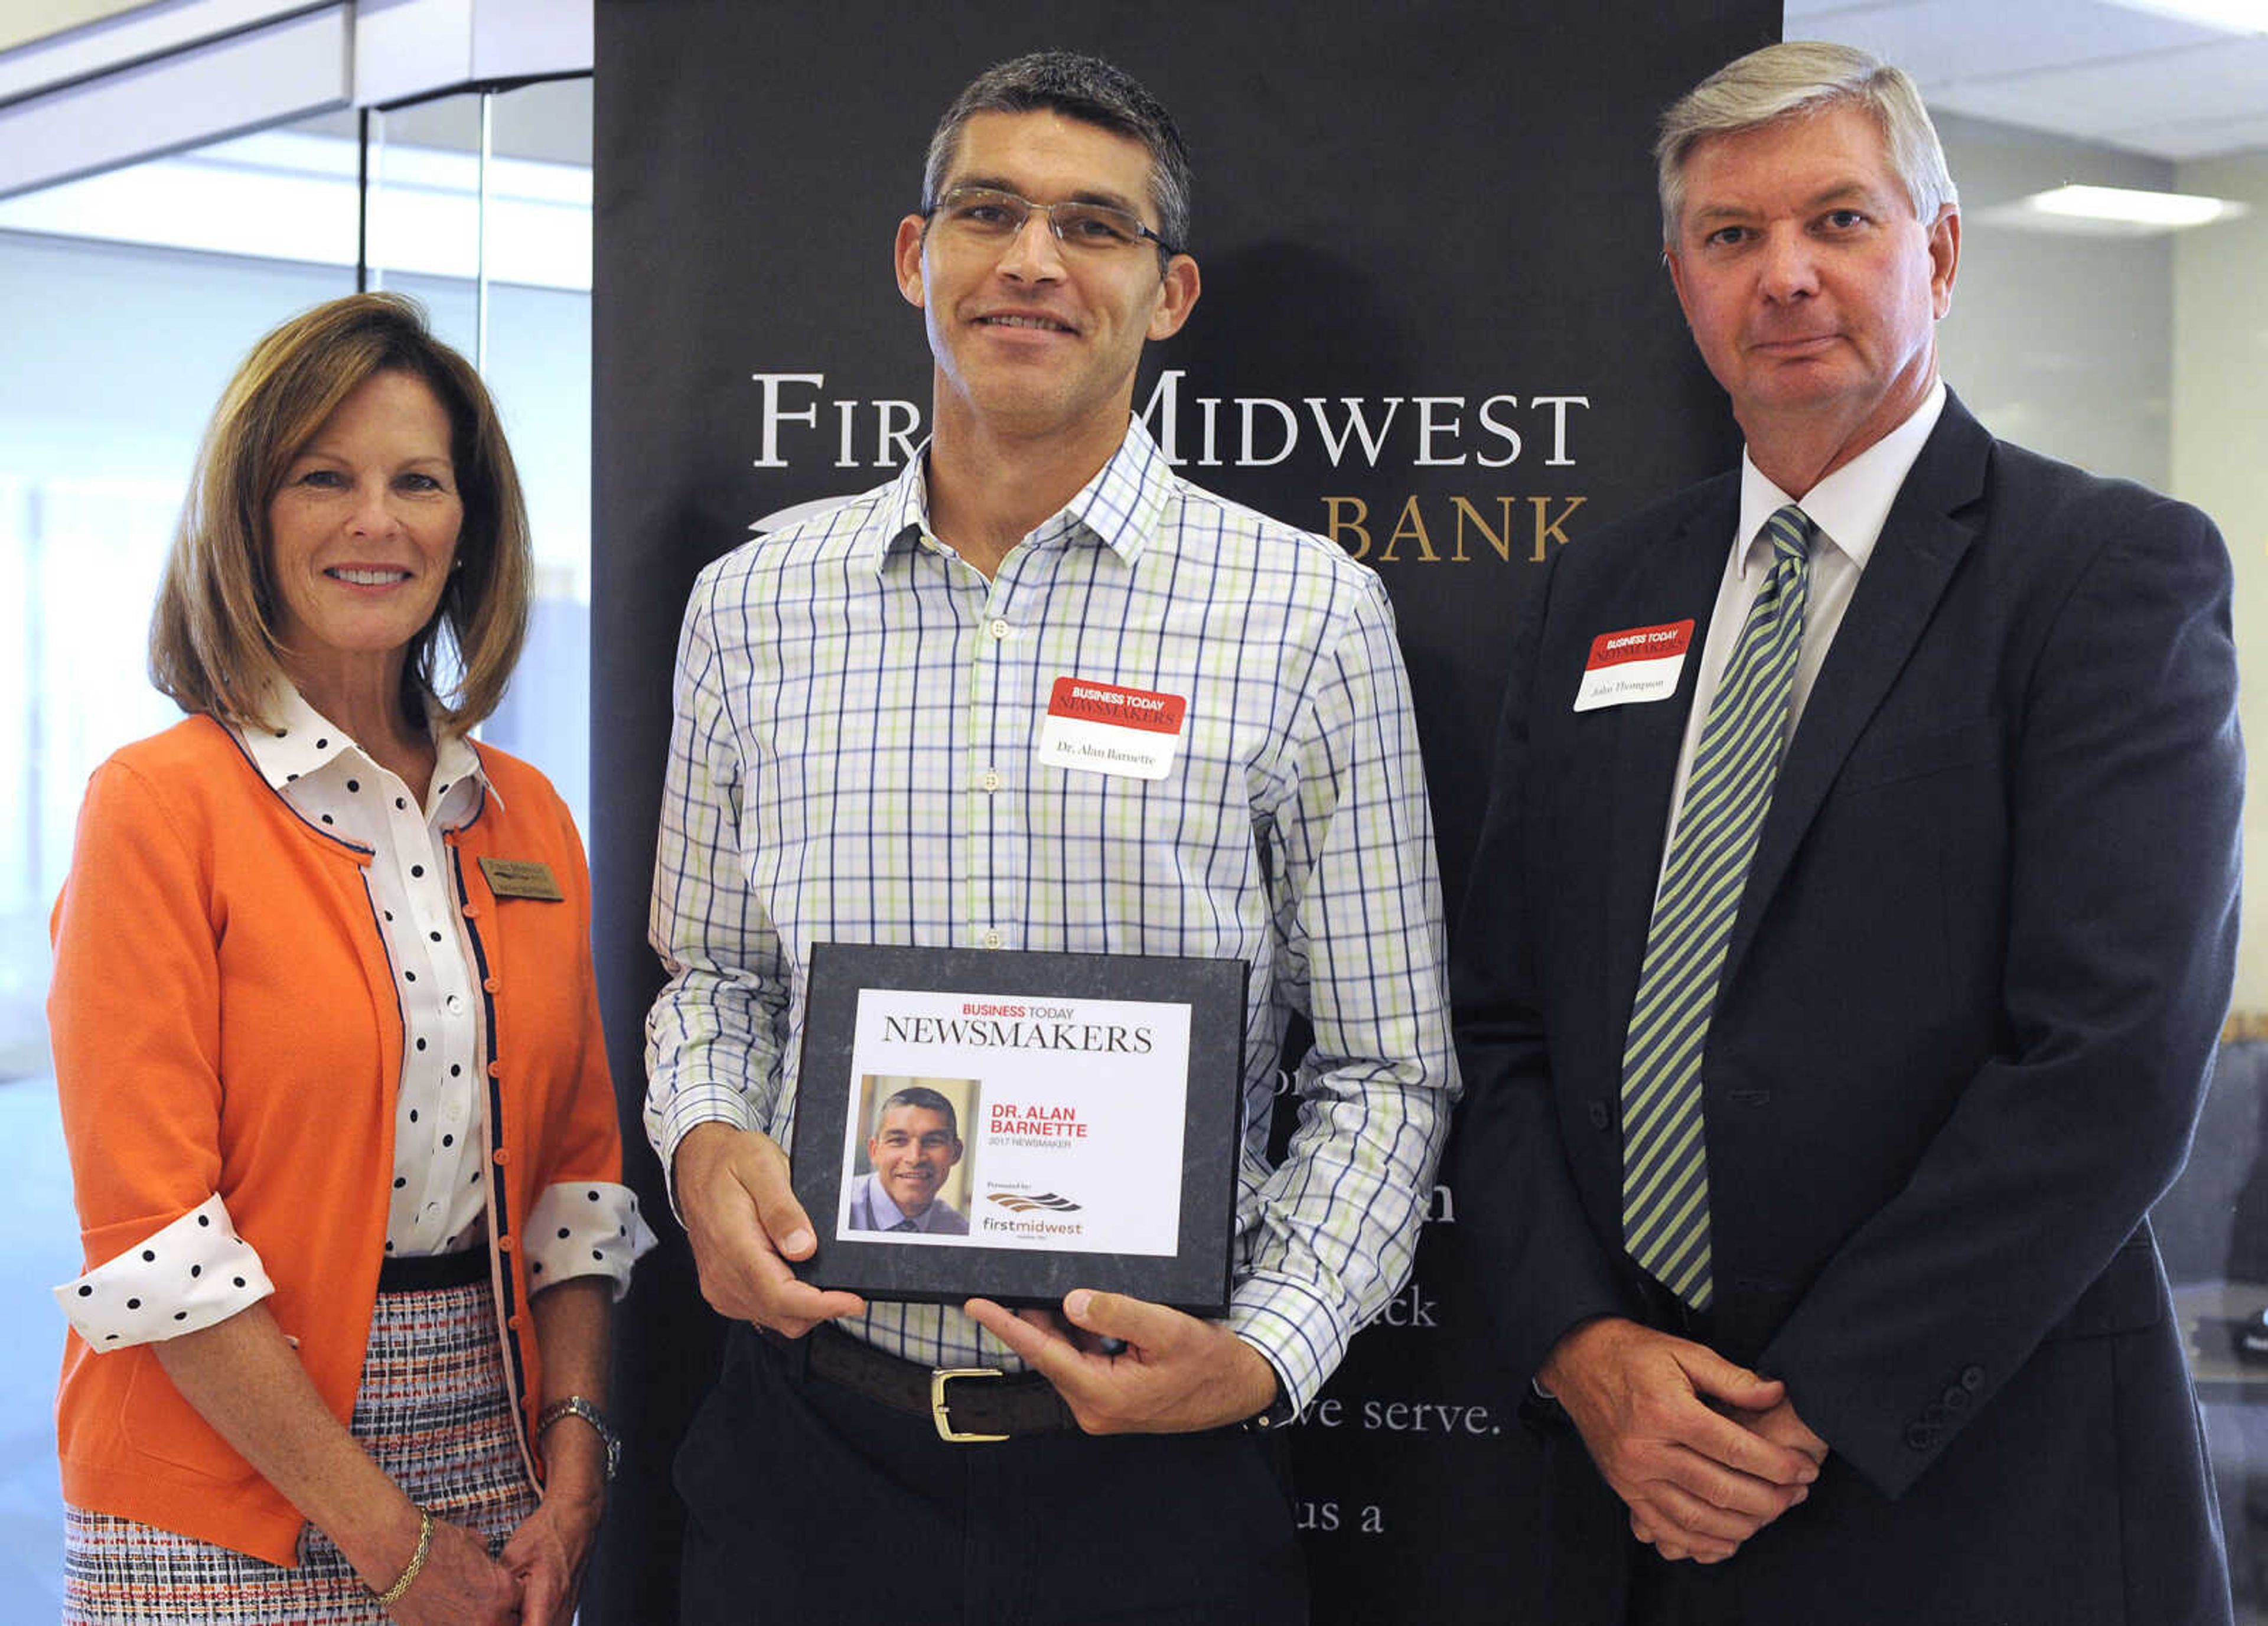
(1434, 329)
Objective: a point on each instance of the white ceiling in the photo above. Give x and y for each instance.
(2091, 69)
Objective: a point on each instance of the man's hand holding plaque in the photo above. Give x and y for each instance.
(746, 1226)
(1175, 1373)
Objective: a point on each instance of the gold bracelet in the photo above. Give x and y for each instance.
(392, 1596)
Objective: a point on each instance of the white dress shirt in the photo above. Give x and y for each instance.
(1850, 507)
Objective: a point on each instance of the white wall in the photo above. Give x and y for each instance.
(2063, 344)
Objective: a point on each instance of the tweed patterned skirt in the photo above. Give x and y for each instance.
(433, 1412)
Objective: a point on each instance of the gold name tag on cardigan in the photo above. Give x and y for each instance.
(522, 878)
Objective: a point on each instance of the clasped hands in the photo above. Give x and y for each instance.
(1704, 1454)
(535, 1581)
(1123, 1365)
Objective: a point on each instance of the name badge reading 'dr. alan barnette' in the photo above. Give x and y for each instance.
(1637, 663)
(1106, 728)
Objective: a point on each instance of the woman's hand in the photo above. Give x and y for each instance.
(545, 1554)
(549, 1550)
(246, 1380)
(460, 1585)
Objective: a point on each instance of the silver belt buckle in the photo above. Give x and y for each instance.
(938, 1378)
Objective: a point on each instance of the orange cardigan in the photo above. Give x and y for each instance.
(223, 1019)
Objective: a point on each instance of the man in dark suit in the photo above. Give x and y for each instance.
(1852, 923)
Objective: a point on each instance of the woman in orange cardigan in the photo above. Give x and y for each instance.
(326, 1039)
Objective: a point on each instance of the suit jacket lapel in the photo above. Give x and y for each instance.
(1671, 582)
(1912, 562)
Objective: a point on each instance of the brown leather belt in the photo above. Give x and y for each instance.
(967, 1404)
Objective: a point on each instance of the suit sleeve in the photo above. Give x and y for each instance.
(2125, 789)
(1538, 1260)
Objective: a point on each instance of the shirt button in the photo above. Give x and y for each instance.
(998, 627)
(989, 780)
(991, 939)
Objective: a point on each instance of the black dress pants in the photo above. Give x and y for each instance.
(808, 1504)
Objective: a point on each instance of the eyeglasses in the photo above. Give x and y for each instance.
(987, 215)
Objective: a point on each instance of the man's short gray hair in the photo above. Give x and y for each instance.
(1090, 90)
(1797, 80)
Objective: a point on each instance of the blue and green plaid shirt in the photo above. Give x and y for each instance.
(855, 759)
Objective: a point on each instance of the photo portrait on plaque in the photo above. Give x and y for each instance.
(907, 1167)
(1014, 1125)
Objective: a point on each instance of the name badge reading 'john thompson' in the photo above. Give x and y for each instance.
(1105, 728)
(1639, 664)
(522, 878)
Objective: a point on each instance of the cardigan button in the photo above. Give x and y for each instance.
(501, 1156)
(493, 985)
(504, 1244)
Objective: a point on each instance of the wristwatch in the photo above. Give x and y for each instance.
(576, 1406)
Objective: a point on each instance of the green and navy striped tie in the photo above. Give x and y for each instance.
(1665, 1155)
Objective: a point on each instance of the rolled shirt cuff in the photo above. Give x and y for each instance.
(688, 1107)
(585, 1227)
(194, 1273)
(1294, 1327)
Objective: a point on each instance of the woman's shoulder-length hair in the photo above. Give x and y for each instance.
(212, 637)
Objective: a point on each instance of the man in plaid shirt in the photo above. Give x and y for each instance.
(862, 753)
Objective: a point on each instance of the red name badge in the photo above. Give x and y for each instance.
(1612, 649)
(1107, 728)
(1127, 707)
(1635, 664)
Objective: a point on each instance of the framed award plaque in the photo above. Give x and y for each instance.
(1014, 1125)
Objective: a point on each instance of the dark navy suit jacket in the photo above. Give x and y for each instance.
(1959, 1047)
